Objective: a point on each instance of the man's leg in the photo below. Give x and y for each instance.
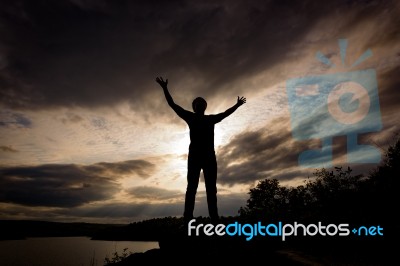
(193, 175)
(210, 178)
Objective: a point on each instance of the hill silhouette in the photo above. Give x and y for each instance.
(330, 196)
(21, 229)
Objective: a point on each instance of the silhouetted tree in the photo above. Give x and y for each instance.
(267, 200)
(329, 195)
(332, 195)
(382, 189)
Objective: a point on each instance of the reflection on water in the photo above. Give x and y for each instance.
(65, 251)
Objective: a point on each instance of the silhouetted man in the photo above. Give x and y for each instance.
(201, 150)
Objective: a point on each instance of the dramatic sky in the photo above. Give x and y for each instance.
(86, 133)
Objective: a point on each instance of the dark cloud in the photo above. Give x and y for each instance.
(154, 193)
(388, 85)
(272, 152)
(65, 185)
(71, 118)
(254, 155)
(141, 168)
(14, 119)
(90, 53)
(7, 149)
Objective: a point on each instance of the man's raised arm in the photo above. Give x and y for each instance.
(228, 112)
(164, 84)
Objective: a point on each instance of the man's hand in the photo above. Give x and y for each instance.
(162, 83)
(241, 101)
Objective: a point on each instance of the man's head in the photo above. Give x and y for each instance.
(199, 105)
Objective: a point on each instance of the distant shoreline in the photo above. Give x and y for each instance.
(23, 229)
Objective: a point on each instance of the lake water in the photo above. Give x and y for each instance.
(65, 251)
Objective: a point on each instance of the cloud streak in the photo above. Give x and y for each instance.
(66, 185)
(258, 154)
(272, 152)
(119, 212)
(7, 149)
(154, 193)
